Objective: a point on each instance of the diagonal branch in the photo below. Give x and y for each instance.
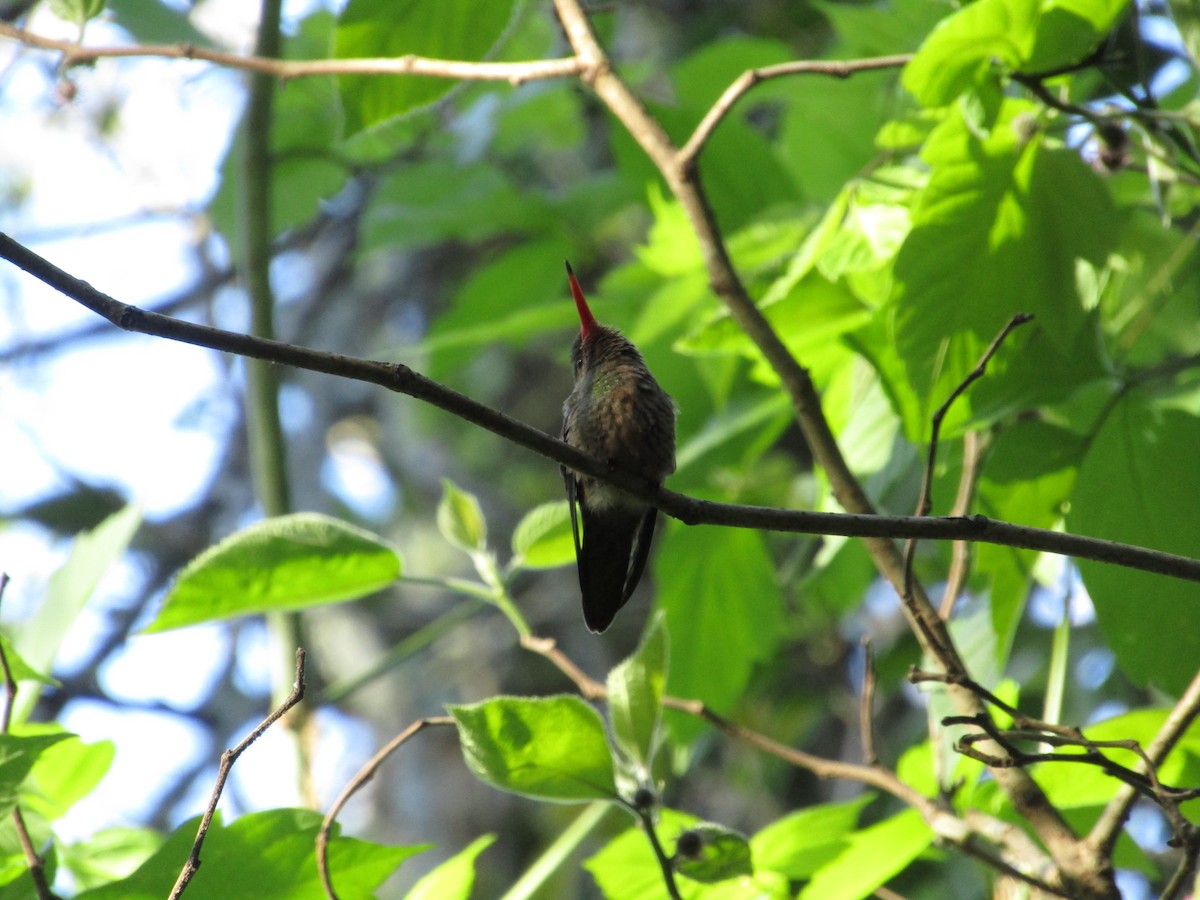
(361, 777)
(228, 758)
(402, 379)
(834, 68)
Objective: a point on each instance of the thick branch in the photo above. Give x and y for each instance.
(513, 72)
(402, 379)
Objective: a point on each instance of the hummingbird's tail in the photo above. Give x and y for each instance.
(616, 543)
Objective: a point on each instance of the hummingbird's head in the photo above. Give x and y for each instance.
(596, 345)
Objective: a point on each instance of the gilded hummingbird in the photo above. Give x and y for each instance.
(617, 412)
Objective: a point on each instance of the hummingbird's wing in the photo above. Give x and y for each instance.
(572, 484)
(641, 551)
(604, 562)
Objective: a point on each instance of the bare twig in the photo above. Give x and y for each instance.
(866, 708)
(960, 553)
(925, 501)
(1024, 862)
(514, 73)
(365, 774)
(228, 758)
(1182, 878)
(664, 861)
(688, 153)
(402, 379)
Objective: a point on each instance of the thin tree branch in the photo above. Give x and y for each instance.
(866, 706)
(228, 758)
(960, 553)
(925, 501)
(1024, 863)
(688, 153)
(365, 774)
(514, 73)
(664, 861)
(1103, 836)
(402, 379)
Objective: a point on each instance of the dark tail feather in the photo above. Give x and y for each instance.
(608, 571)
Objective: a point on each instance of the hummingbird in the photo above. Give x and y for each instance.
(619, 413)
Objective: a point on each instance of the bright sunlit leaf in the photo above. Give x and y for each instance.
(549, 748)
(289, 562)
(543, 538)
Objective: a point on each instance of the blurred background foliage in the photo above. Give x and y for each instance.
(888, 224)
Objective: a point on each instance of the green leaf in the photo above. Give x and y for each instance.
(273, 855)
(875, 855)
(454, 878)
(65, 772)
(445, 29)
(461, 520)
(1001, 227)
(110, 855)
(724, 612)
(635, 690)
(801, 843)
(438, 200)
(1027, 479)
(548, 748)
(1138, 484)
(518, 294)
(21, 670)
(77, 12)
(722, 854)
(70, 587)
(1032, 35)
(289, 562)
(543, 538)
(18, 755)
(626, 868)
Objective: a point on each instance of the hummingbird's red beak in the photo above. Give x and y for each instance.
(586, 320)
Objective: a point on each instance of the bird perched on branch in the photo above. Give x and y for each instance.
(618, 413)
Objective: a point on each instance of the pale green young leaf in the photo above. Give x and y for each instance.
(548, 748)
(64, 772)
(92, 554)
(543, 539)
(801, 842)
(77, 12)
(18, 755)
(454, 878)
(289, 562)
(874, 856)
(635, 690)
(460, 519)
